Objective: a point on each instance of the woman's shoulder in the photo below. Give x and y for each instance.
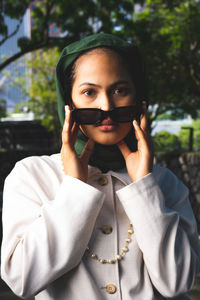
(163, 174)
(38, 165)
(169, 183)
(31, 161)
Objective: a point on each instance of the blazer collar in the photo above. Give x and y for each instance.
(121, 175)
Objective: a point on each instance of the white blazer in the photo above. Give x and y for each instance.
(49, 219)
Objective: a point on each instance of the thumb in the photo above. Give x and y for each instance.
(87, 151)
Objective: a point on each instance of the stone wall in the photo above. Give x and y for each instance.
(187, 167)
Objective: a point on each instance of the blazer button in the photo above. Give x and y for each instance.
(102, 180)
(111, 288)
(106, 229)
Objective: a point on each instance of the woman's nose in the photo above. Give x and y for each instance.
(105, 102)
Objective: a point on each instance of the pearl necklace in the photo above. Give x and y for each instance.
(118, 256)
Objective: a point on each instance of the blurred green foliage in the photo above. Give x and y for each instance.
(184, 136)
(2, 108)
(167, 33)
(41, 93)
(165, 141)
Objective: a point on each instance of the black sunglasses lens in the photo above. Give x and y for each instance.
(94, 115)
(86, 116)
(124, 114)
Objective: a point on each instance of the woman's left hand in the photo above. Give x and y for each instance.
(139, 163)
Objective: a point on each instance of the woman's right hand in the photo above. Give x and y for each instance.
(73, 165)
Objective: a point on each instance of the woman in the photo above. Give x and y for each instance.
(98, 221)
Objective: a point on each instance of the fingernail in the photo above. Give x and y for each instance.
(67, 109)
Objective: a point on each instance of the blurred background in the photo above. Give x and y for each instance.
(32, 35)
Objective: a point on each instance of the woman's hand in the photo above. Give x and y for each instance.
(139, 163)
(73, 165)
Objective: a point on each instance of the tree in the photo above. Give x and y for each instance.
(2, 108)
(166, 142)
(42, 98)
(74, 18)
(183, 136)
(15, 9)
(167, 32)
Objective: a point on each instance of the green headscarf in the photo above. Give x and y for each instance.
(104, 157)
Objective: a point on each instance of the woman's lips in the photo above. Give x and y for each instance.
(107, 125)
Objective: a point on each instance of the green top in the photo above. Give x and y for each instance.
(103, 157)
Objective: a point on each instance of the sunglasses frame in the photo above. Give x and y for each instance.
(136, 112)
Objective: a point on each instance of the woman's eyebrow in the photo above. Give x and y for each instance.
(113, 84)
(90, 84)
(120, 82)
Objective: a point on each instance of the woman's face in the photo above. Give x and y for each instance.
(102, 81)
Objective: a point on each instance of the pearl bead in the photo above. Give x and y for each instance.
(124, 250)
(113, 261)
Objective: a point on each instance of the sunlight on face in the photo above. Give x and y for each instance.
(102, 81)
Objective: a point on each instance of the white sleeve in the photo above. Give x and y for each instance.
(42, 240)
(165, 230)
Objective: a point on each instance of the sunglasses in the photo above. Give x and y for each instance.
(95, 116)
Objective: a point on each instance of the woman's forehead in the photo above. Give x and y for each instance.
(100, 59)
(100, 51)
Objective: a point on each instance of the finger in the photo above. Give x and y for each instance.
(144, 123)
(138, 131)
(67, 126)
(74, 133)
(124, 149)
(87, 151)
(144, 119)
(144, 140)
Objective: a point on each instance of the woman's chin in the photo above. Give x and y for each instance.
(107, 144)
(107, 141)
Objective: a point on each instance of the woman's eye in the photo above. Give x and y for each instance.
(89, 92)
(120, 91)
